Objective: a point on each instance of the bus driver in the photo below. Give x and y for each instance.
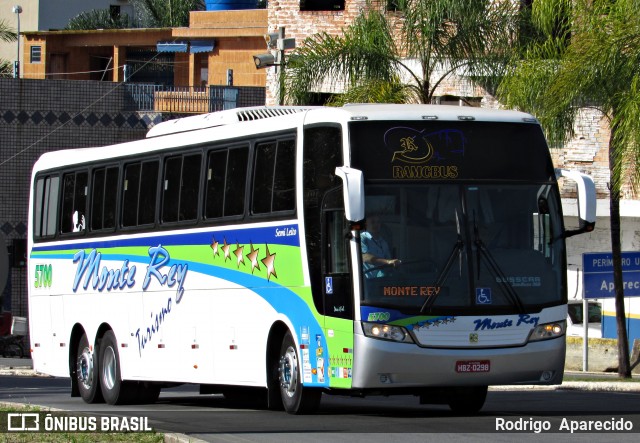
(376, 254)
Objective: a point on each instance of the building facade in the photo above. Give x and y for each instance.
(216, 49)
(45, 15)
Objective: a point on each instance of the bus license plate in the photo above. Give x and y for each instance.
(473, 366)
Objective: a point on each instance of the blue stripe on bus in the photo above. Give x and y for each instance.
(243, 236)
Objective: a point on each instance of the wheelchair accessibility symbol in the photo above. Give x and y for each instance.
(483, 296)
(328, 285)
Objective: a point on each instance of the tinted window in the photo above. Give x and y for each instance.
(263, 177)
(226, 182)
(74, 202)
(46, 206)
(450, 150)
(180, 188)
(274, 177)
(139, 186)
(103, 198)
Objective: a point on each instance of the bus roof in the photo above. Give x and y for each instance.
(366, 111)
(266, 119)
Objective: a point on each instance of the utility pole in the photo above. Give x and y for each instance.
(17, 10)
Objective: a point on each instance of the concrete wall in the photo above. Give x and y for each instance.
(37, 116)
(602, 355)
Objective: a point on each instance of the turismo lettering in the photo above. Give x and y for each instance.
(145, 336)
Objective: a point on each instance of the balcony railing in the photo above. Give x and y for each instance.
(182, 99)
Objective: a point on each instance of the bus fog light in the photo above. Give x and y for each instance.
(386, 332)
(385, 378)
(546, 375)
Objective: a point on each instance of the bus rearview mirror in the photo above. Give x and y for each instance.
(353, 188)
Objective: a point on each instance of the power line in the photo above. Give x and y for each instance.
(54, 130)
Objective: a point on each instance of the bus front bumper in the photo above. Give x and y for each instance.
(389, 365)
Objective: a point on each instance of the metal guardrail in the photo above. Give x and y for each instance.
(182, 99)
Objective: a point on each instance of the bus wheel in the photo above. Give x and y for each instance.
(114, 390)
(296, 399)
(87, 372)
(468, 400)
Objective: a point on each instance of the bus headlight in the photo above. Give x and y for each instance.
(548, 330)
(386, 332)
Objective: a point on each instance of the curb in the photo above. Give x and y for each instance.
(181, 438)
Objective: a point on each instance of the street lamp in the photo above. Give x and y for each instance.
(17, 10)
(276, 45)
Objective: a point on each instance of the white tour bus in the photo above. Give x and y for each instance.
(231, 250)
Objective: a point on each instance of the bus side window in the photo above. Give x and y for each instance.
(274, 177)
(74, 202)
(180, 190)
(104, 197)
(46, 206)
(139, 187)
(226, 178)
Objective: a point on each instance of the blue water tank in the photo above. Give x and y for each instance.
(226, 5)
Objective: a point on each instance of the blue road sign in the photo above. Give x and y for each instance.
(598, 274)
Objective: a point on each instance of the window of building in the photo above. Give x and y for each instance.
(114, 11)
(36, 54)
(321, 5)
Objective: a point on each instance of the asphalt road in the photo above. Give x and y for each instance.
(374, 419)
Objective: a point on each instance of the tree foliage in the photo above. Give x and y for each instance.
(166, 13)
(6, 35)
(419, 46)
(147, 14)
(588, 56)
(99, 19)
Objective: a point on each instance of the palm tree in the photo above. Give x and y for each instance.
(6, 35)
(590, 56)
(167, 13)
(412, 50)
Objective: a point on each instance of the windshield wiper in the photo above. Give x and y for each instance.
(483, 252)
(456, 251)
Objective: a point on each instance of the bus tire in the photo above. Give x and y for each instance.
(87, 372)
(468, 400)
(296, 399)
(114, 390)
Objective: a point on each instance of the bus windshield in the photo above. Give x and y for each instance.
(459, 217)
(490, 247)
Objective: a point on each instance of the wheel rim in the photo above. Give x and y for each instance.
(85, 368)
(109, 368)
(289, 371)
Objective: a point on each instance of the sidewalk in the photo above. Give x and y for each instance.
(583, 381)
